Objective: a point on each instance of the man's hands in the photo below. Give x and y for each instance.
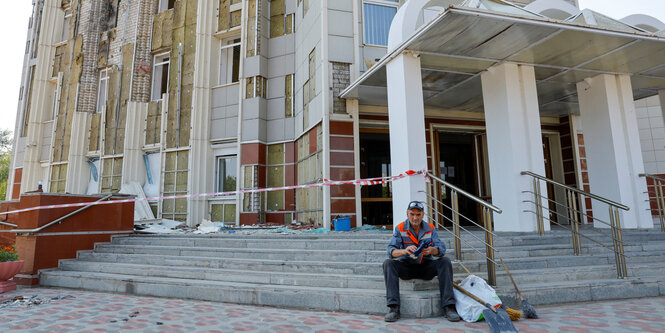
(412, 248)
(430, 250)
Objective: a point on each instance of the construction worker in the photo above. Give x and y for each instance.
(416, 252)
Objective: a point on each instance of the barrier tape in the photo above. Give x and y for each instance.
(326, 182)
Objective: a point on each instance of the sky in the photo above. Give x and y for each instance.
(15, 14)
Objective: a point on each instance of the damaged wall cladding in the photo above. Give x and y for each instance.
(174, 31)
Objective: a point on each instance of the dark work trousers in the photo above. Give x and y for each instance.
(393, 270)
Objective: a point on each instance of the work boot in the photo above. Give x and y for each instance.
(393, 314)
(450, 313)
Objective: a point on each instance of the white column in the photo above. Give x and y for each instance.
(406, 116)
(514, 143)
(133, 166)
(200, 178)
(612, 143)
(41, 104)
(78, 172)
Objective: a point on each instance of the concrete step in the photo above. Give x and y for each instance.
(337, 272)
(372, 301)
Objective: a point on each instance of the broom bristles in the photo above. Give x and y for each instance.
(529, 310)
(513, 314)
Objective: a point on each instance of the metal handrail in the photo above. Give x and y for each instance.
(9, 224)
(660, 198)
(573, 197)
(487, 210)
(590, 195)
(466, 194)
(60, 219)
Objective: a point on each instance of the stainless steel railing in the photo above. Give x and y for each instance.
(436, 188)
(570, 211)
(58, 220)
(656, 189)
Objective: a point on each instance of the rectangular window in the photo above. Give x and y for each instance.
(103, 89)
(65, 28)
(165, 5)
(160, 76)
(226, 173)
(57, 60)
(229, 66)
(377, 17)
(223, 213)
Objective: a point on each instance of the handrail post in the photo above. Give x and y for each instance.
(615, 241)
(454, 200)
(539, 208)
(572, 218)
(660, 201)
(576, 223)
(620, 241)
(489, 247)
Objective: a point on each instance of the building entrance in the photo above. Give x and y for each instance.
(461, 163)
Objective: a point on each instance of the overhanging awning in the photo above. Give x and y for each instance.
(460, 43)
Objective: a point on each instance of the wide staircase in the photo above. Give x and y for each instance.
(342, 271)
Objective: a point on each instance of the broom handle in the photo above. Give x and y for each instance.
(466, 269)
(474, 297)
(511, 279)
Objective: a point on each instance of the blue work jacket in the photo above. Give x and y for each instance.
(404, 236)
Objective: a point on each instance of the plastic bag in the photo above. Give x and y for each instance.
(469, 309)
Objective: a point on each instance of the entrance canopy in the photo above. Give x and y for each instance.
(460, 43)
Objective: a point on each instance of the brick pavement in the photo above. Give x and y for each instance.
(64, 310)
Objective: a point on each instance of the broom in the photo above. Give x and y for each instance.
(512, 313)
(528, 309)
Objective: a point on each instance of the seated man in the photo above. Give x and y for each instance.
(426, 265)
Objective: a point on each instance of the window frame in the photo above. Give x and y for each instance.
(385, 3)
(103, 76)
(224, 64)
(219, 158)
(155, 64)
(163, 5)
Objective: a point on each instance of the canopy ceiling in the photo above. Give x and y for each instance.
(460, 43)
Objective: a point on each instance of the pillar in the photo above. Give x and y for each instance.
(133, 166)
(200, 177)
(78, 172)
(612, 143)
(406, 117)
(514, 141)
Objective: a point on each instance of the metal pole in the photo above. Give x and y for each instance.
(620, 240)
(536, 203)
(571, 214)
(489, 247)
(615, 242)
(661, 202)
(456, 227)
(539, 207)
(576, 223)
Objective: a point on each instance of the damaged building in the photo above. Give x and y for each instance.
(163, 98)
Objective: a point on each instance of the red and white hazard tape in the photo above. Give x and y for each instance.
(326, 182)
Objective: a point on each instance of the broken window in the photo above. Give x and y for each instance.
(165, 5)
(103, 89)
(226, 173)
(58, 61)
(58, 178)
(160, 76)
(281, 23)
(111, 174)
(223, 212)
(175, 183)
(229, 66)
(377, 17)
(256, 87)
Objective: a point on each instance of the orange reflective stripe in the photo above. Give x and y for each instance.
(413, 238)
(431, 226)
